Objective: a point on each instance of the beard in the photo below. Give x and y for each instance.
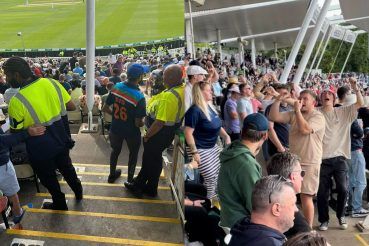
(285, 223)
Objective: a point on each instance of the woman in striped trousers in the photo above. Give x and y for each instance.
(202, 129)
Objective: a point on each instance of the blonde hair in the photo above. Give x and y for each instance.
(199, 100)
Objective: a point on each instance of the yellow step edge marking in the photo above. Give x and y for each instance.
(361, 240)
(100, 165)
(97, 239)
(106, 166)
(112, 198)
(109, 185)
(105, 215)
(104, 174)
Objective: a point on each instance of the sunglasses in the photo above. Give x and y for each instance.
(302, 172)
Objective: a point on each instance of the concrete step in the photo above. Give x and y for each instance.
(108, 214)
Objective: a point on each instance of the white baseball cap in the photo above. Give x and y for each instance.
(194, 69)
(234, 88)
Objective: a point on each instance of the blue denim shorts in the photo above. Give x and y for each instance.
(8, 180)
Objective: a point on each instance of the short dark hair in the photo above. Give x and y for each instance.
(17, 64)
(282, 87)
(342, 92)
(252, 135)
(116, 71)
(282, 164)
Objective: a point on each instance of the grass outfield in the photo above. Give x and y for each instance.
(62, 24)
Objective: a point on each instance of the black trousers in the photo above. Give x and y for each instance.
(133, 144)
(45, 170)
(152, 163)
(337, 168)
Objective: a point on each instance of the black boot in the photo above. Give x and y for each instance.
(114, 176)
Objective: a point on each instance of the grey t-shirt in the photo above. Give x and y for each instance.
(244, 105)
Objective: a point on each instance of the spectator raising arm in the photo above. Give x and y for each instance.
(303, 125)
(275, 115)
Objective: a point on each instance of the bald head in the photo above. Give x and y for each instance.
(172, 75)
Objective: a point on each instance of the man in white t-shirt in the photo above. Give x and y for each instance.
(244, 105)
(336, 151)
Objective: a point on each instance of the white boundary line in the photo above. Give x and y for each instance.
(49, 4)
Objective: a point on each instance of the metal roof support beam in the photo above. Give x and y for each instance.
(339, 49)
(312, 41)
(261, 35)
(236, 8)
(300, 37)
(325, 46)
(316, 54)
(191, 30)
(276, 50)
(219, 44)
(253, 53)
(240, 52)
(348, 56)
(189, 38)
(90, 59)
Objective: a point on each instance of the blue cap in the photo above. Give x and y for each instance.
(256, 121)
(135, 70)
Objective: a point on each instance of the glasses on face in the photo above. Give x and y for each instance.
(302, 172)
(280, 178)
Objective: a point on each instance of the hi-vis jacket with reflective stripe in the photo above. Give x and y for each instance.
(168, 106)
(43, 103)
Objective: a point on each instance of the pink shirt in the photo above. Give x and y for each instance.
(256, 105)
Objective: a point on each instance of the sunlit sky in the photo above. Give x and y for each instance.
(333, 3)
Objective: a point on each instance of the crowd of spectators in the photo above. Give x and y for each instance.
(237, 117)
(310, 134)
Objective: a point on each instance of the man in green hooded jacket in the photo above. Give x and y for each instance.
(239, 170)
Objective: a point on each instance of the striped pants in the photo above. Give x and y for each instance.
(209, 169)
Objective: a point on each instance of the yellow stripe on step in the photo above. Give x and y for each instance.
(107, 166)
(112, 198)
(361, 240)
(109, 185)
(104, 174)
(104, 215)
(96, 239)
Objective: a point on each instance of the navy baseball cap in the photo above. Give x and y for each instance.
(256, 121)
(135, 70)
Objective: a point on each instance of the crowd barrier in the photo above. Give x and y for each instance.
(173, 169)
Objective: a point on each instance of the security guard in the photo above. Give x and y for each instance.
(165, 113)
(42, 101)
(128, 112)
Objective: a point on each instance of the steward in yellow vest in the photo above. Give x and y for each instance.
(165, 113)
(42, 101)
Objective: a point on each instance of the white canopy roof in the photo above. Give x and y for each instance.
(246, 20)
(268, 22)
(356, 12)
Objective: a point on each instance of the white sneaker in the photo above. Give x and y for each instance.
(323, 226)
(343, 223)
(361, 213)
